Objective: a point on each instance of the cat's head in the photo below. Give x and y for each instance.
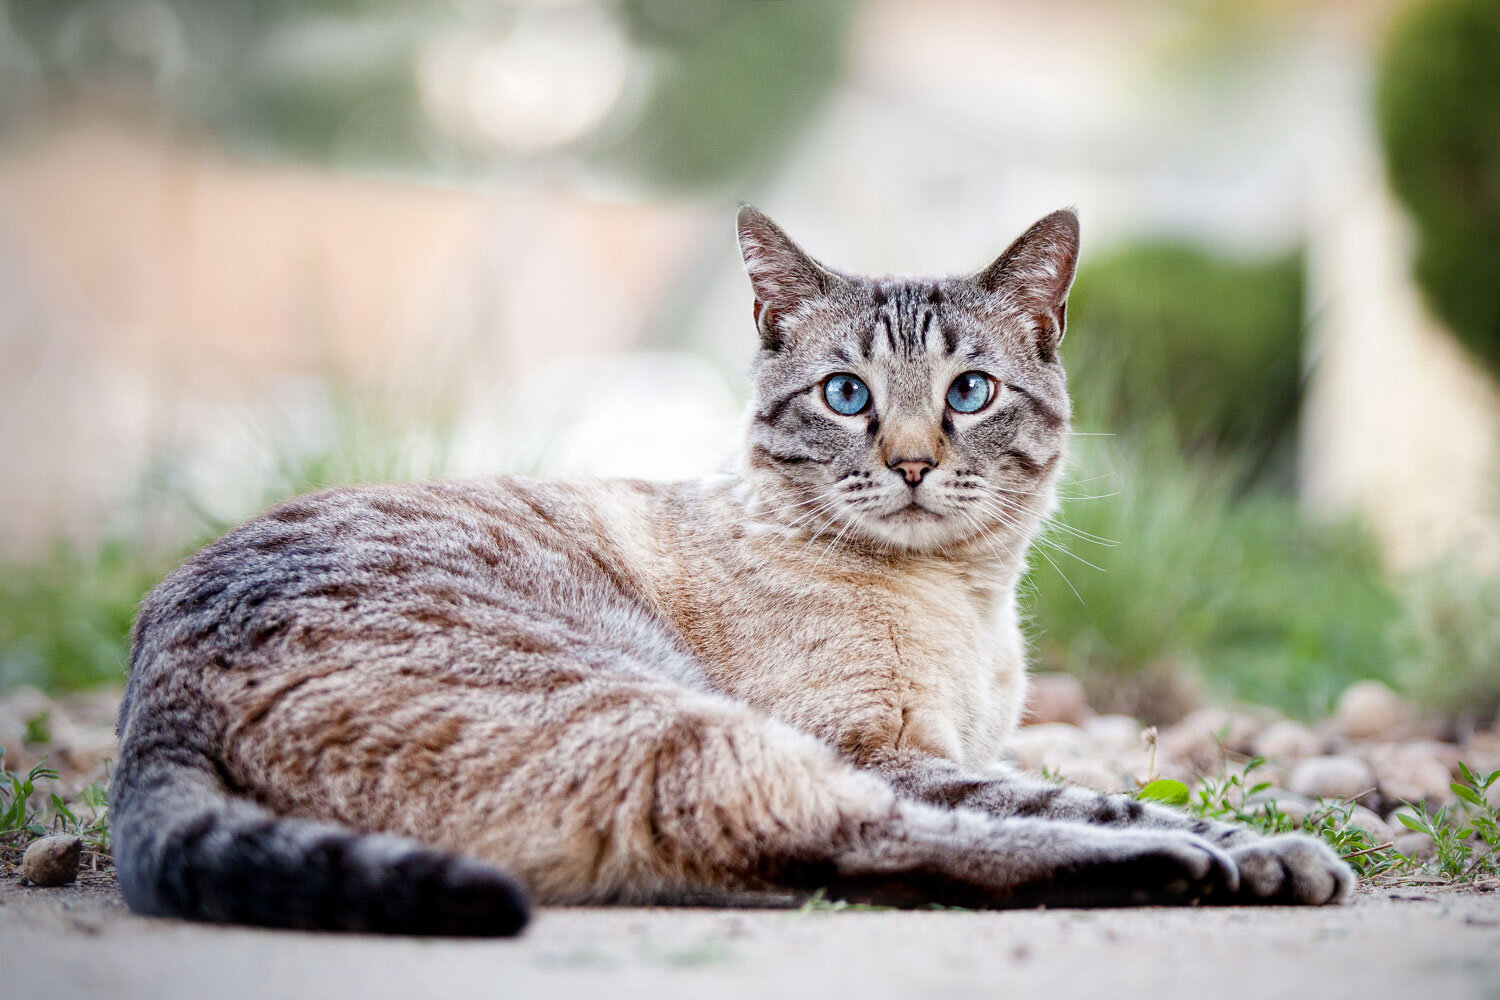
(913, 413)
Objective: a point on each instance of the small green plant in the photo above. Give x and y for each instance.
(1332, 821)
(87, 816)
(1167, 791)
(1230, 796)
(1465, 836)
(38, 728)
(19, 813)
(819, 902)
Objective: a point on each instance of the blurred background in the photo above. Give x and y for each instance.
(252, 247)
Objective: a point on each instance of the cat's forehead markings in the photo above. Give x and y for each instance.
(907, 321)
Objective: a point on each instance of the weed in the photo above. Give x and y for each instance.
(819, 902)
(19, 813)
(1466, 835)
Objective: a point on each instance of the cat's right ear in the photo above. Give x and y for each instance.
(782, 275)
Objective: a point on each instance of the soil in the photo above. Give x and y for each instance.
(81, 941)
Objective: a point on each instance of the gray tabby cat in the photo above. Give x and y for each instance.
(363, 708)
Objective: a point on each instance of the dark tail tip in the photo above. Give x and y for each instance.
(471, 899)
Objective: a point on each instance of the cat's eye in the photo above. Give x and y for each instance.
(971, 392)
(846, 394)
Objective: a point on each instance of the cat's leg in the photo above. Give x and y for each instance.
(620, 790)
(1284, 868)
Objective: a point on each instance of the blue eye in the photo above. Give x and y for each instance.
(970, 392)
(846, 394)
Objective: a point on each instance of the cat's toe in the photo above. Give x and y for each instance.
(1293, 869)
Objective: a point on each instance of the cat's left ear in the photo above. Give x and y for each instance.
(1034, 275)
(781, 273)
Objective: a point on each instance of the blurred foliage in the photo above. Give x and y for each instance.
(734, 80)
(718, 87)
(65, 619)
(1454, 660)
(1439, 112)
(1206, 345)
(1189, 583)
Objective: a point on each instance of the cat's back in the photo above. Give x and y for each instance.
(405, 571)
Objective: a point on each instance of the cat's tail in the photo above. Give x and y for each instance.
(185, 846)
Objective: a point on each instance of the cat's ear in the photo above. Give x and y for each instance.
(782, 275)
(1034, 275)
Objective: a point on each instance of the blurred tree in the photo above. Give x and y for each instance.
(1439, 110)
(1210, 345)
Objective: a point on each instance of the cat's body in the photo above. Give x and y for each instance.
(799, 676)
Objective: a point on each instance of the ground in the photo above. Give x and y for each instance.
(80, 941)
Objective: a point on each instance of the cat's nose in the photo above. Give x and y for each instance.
(913, 469)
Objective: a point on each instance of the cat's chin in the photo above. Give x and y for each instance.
(917, 530)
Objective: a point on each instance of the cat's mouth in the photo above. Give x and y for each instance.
(912, 512)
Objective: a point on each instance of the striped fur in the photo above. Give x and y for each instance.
(410, 708)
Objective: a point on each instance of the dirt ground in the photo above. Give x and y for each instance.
(82, 942)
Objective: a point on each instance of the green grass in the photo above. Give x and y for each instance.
(1466, 835)
(27, 812)
(65, 617)
(1160, 568)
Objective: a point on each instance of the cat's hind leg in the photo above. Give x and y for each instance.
(620, 790)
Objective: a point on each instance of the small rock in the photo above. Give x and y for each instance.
(1048, 745)
(1287, 741)
(1332, 777)
(1090, 774)
(1415, 844)
(1410, 773)
(1368, 709)
(1379, 830)
(1235, 730)
(1115, 732)
(52, 860)
(1056, 698)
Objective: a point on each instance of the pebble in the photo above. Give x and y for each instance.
(52, 860)
(1368, 710)
(1287, 740)
(1410, 773)
(1048, 745)
(1379, 830)
(1236, 730)
(1118, 733)
(1332, 777)
(1091, 774)
(1056, 698)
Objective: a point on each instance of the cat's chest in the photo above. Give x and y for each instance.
(924, 663)
(961, 662)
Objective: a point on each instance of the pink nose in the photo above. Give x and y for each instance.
(913, 469)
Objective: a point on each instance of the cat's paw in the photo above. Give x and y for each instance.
(1291, 868)
(1155, 868)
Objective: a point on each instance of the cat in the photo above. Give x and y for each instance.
(415, 709)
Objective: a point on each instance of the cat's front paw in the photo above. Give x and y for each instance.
(1291, 868)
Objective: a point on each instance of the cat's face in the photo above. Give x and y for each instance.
(914, 414)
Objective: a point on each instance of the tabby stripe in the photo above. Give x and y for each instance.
(1049, 416)
(950, 338)
(772, 413)
(786, 459)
